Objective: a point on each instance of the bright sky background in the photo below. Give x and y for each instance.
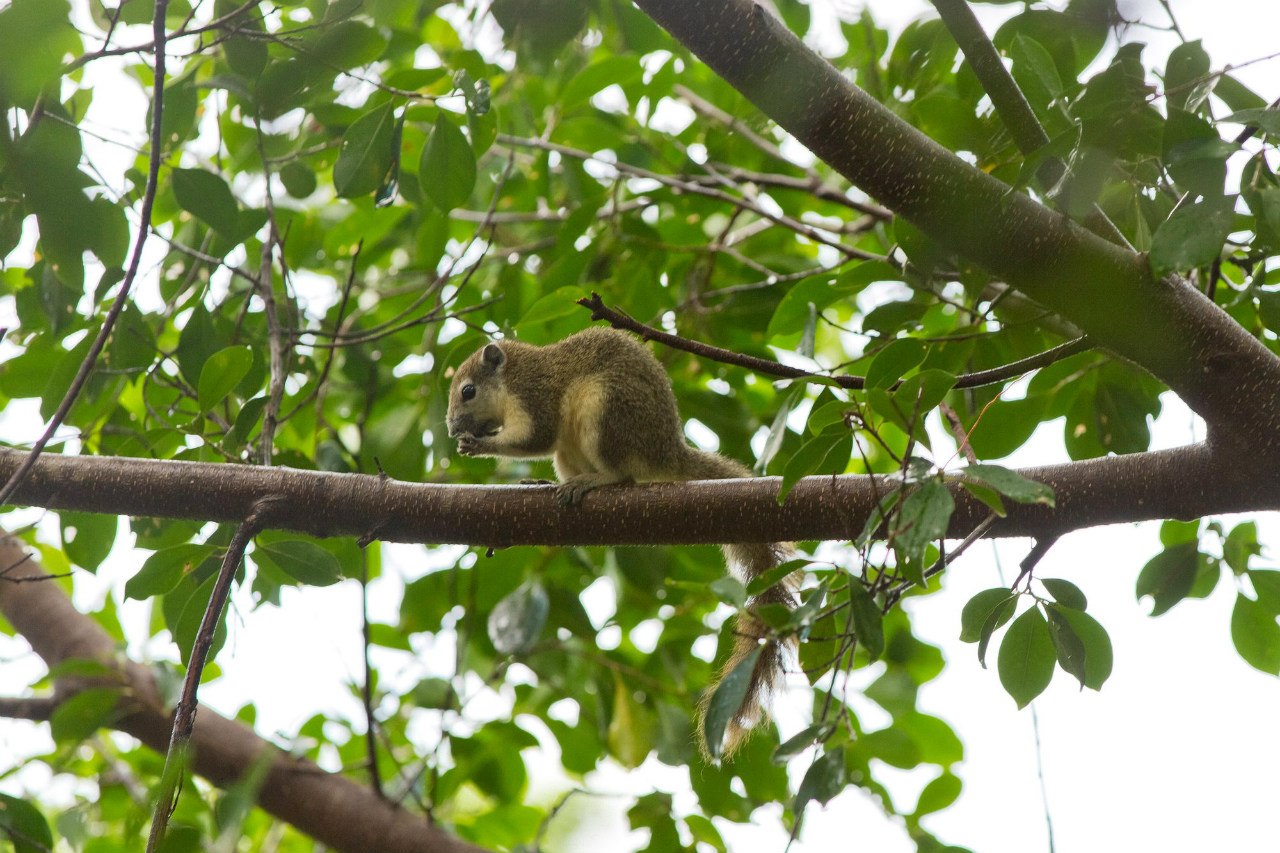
(1177, 752)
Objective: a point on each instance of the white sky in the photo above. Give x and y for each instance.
(1176, 753)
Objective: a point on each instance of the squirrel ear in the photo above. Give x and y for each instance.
(493, 356)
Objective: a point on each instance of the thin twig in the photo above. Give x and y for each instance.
(366, 689)
(184, 718)
(693, 188)
(122, 297)
(768, 367)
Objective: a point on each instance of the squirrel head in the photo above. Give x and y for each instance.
(477, 396)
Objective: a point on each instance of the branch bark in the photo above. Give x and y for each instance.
(331, 809)
(1222, 372)
(1187, 482)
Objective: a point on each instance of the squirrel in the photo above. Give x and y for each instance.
(602, 408)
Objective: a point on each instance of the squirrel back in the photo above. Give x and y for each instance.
(601, 407)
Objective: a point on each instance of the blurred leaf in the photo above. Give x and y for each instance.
(1192, 236)
(725, 702)
(207, 197)
(366, 153)
(517, 621)
(823, 780)
(221, 373)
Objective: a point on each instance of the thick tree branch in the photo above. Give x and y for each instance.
(1167, 327)
(1188, 482)
(331, 809)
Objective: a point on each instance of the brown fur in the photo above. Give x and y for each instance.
(601, 407)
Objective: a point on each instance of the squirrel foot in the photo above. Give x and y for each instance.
(574, 489)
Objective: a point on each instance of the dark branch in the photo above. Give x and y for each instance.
(768, 367)
(1187, 482)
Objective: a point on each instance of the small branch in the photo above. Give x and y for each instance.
(1011, 104)
(1034, 556)
(184, 718)
(693, 188)
(768, 367)
(122, 296)
(366, 689)
(36, 708)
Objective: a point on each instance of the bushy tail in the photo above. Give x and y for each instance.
(748, 561)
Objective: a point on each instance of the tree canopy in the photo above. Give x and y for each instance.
(246, 243)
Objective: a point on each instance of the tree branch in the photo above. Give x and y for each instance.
(991, 376)
(331, 809)
(1187, 482)
(1167, 327)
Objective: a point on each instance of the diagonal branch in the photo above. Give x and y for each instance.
(333, 810)
(1167, 327)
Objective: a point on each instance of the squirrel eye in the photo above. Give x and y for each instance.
(468, 392)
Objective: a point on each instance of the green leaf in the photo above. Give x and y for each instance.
(1256, 635)
(1267, 585)
(1241, 544)
(221, 373)
(87, 537)
(630, 733)
(366, 153)
(1065, 593)
(1267, 120)
(303, 561)
(20, 822)
(516, 622)
(778, 429)
(164, 569)
(825, 778)
(621, 69)
(35, 35)
(1098, 657)
(207, 197)
(729, 590)
(827, 453)
(797, 744)
(1183, 73)
(867, 620)
(1192, 236)
(447, 169)
(1067, 645)
(997, 617)
(923, 518)
(794, 309)
(1168, 576)
(893, 361)
(1027, 656)
(1009, 483)
(83, 714)
(937, 795)
(299, 180)
(725, 702)
(979, 609)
